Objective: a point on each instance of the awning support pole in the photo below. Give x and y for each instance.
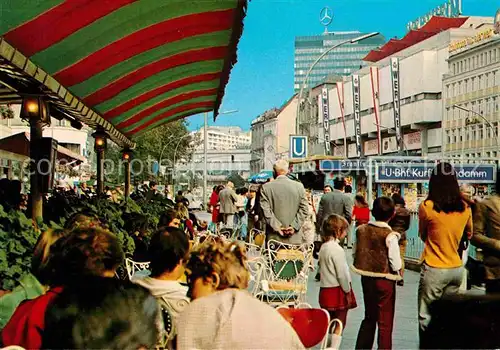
(36, 130)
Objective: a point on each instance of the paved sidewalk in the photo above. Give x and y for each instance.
(405, 334)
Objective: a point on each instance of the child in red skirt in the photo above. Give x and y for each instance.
(336, 294)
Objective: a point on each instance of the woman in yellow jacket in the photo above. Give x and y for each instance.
(444, 217)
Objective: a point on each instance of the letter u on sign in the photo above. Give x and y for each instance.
(298, 147)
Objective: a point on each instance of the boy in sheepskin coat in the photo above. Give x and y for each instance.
(378, 261)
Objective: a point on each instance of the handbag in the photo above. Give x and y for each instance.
(317, 246)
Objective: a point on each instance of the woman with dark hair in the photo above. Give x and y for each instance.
(401, 223)
(487, 237)
(444, 217)
(82, 253)
(214, 205)
(361, 210)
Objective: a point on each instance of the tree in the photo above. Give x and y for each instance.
(161, 142)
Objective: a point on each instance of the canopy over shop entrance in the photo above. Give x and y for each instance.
(20, 144)
(126, 66)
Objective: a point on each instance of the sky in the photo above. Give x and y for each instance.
(263, 76)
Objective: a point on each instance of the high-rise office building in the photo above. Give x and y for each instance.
(343, 60)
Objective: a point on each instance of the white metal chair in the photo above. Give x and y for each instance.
(284, 281)
(257, 237)
(134, 266)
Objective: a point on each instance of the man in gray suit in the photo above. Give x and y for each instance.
(228, 199)
(335, 202)
(284, 206)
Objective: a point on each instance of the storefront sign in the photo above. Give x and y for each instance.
(396, 102)
(413, 140)
(329, 165)
(370, 147)
(342, 165)
(375, 82)
(471, 40)
(339, 151)
(352, 151)
(419, 173)
(451, 8)
(326, 119)
(340, 97)
(304, 167)
(357, 117)
(389, 145)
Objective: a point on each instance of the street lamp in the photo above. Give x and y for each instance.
(393, 130)
(205, 150)
(350, 41)
(172, 138)
(480, 115)
(175, 153)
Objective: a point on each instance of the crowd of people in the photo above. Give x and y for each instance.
(72, 299)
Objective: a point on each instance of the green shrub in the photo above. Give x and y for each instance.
(17, 239)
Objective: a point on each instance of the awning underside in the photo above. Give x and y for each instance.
(137, 64)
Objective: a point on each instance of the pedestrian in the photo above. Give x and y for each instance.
(360, 211)
(308, 229)
(487, 237)
(401, 223)
(241, 213)
(284, 206)
(335, 294)
(377, 260)
(214, 206)
(228, 199)
(444, 217)
(251, 208)
(335, 202)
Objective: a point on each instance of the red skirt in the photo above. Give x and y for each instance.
(335, 298)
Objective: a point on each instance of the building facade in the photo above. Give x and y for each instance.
(262, 147)
(220, 164)
(471, 108)
(73, 139)
(341, 61)
(225, 137)
(271, 135)
(361, 106)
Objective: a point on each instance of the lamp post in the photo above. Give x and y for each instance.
(126, 158)
(34, 109)
(175, 153)
(486, 121)
(205, 151)
(301, 91)
(100, 138)
(393, 130)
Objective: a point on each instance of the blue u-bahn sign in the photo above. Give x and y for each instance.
(419, 173)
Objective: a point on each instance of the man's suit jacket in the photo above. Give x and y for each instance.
(228, 199)
(283, 203)
(334, 202)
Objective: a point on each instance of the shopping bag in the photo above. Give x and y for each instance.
(336, 329)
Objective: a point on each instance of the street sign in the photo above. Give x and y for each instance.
(420, 173)
(298, 146)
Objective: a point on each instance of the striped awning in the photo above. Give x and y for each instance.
(134, 64)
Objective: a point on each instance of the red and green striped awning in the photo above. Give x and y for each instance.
(135, 63)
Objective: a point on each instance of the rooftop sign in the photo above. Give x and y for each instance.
(451, 8)
(486, 34)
